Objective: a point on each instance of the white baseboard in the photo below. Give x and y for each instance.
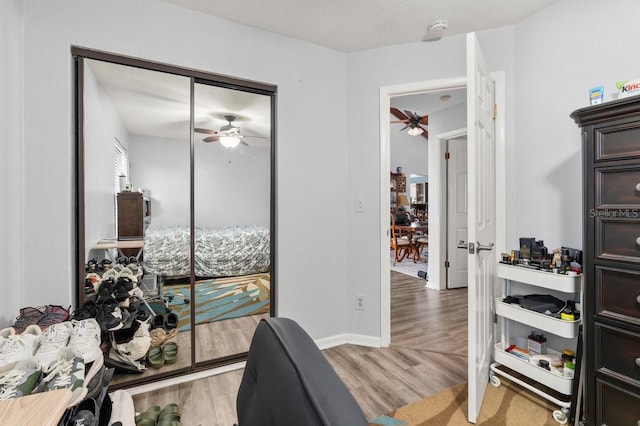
(347, 338)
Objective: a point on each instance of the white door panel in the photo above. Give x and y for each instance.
(481, 219)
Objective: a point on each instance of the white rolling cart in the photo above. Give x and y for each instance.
(515, 320)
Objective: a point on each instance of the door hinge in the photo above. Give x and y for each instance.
(447, 155)
(495, 111)
(495, 318)
(446, 264)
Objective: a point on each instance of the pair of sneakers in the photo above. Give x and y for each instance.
(81, 336)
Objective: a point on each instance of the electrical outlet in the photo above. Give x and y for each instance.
(360, 302)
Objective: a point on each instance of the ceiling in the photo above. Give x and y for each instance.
(157, 104)
(353, 25)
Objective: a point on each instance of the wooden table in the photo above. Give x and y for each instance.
(410, 230)
(42, 409)
(119, 245)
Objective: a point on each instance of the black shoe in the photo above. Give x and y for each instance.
(126, 282)
(109, 317)
(88, 310)
(107, 289)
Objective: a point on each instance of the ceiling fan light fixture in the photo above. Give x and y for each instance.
(229, 141)
(415, 131)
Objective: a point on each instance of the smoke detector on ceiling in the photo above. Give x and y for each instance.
(436, 30)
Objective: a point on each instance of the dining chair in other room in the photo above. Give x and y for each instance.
(401, 244)
(421, 242)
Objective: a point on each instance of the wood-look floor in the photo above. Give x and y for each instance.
(428, 353)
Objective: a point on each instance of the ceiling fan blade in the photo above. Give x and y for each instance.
(205, 131)
(211, 139)
(398, 121)
(399, 114)
(412, 116)
(424, 120)
(425, 133)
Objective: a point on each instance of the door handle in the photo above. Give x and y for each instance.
(481, 247)
(462, 245)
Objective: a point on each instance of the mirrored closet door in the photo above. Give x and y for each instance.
(175, 193)
(232, 213)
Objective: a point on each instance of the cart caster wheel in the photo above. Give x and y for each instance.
(560, 417)
(495, 380)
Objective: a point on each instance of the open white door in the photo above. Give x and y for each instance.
(482, 221)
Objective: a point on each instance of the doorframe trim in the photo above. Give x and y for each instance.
(385, 95)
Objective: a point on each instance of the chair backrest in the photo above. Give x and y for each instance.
(287, 381)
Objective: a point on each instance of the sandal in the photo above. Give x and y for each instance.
(158, 321)
(170, 352)
(156, 358)
(171, 321)
(149, 417)
(169, 414)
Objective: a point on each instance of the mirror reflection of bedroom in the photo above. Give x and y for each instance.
(153, 190)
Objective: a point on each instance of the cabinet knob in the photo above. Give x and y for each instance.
(638, 300)
(638, 362)
(638, 189)
(638, 241)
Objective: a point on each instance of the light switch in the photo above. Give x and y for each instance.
(359, 204)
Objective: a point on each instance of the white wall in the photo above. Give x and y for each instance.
(102, 127)
(562, 52)
(162, 166)
(231, 186)
(311, 152)
(12, 260)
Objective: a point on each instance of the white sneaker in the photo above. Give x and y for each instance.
(85, 339)
(5, 333)
(67, 372)
(54, 338)
(20, 346)
(23, 379)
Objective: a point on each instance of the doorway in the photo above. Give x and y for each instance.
(436, 195)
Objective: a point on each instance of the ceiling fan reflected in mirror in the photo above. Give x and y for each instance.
(412, 121)
(229, 135)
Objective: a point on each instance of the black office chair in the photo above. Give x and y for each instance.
(288, 382)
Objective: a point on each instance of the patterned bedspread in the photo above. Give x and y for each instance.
(219, 252)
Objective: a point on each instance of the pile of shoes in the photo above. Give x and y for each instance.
(111, 292)
(65, 355)
(169, 415)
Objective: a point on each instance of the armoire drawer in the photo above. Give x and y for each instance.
(618, 354)
(616, 406)
(618, 294)
(617, 141)
(617, 239)
(618, 187)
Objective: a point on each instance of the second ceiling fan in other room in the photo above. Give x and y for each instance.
(412, 121)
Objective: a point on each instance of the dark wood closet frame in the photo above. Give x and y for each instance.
(79, 54)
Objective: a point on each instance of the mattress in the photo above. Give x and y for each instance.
(219, 252)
